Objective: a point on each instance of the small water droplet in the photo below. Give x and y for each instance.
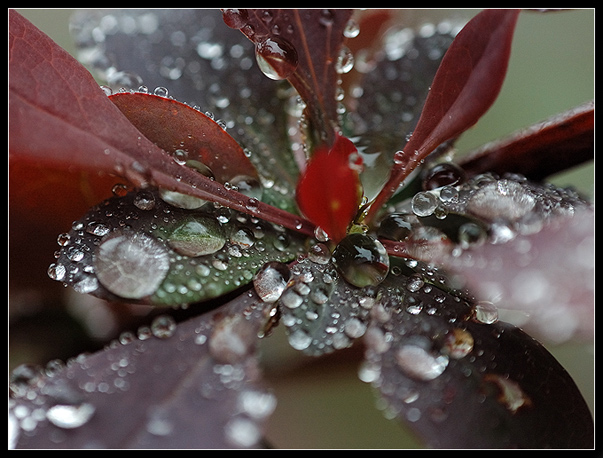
(319, 253)
(345, 60)
(271, 280)
(197, 237)
(352, 29)
(235, 18)
(414, 283)
(57, 271)
(131, 265)
(276, 57)
(161, 91)
(458, 343)
(299, 339)
(424, 203)
(70, 416)
(163, 326)
(63, 239)
(144, 200)
(397, 226)
(180, 200)
(485, 312)
(361, 260)
(420, 363)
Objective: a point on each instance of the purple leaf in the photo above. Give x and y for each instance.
(192, 385)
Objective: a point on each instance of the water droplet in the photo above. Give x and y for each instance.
(243, 237)
(235, 18)
(276, 57)
(397, 226)
(424, 203)
(444, 174)
(131, 265)
(471, 234)
(161, 91)
(351, 29)
(299, 339)
(144, 200)
(242, 432)
(319, 253)
(502, 199)
(361, 260)
(458, 343)
(63, 239)
(485, 312)
(419, 363)
(271, 280)
(248, 186)
(197, 237)
(57, 271)
(256, 404)
(414, 283)
(345, 60)
(163, 326)
(70, 416)
(180, 200)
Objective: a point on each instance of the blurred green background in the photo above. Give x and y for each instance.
(323, 404)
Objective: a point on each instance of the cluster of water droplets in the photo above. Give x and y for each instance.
(146, 246)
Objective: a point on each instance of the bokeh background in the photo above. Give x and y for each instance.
(322, 403)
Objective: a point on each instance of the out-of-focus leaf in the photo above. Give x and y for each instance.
(387, 93)
(306, 48)
(168, 249)
(465, 384)
(546, 148)
(176, 127)
(202, 62)
(465, 86)
(192, 385)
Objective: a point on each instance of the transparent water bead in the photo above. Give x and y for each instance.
(131, 265)
(486, 312)
(70, 416)
(163, 326)
(420, 363)
(271, 280)
(424, 203)
(361, 260)
(501, 199)
(276, 57)
(197, 237)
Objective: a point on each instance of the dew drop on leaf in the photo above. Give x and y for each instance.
(486, 312)
(276, 57)
(163, 326)
(361, 260)
(131, 265)
(70, 416)
(424, 203)
(271, 280)
(197, 237)
(419, 363)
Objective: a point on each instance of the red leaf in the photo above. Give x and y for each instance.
(172, 126)
(58, 115)
(306, 49)
(554, 145)
(329, 190)
(466, 84)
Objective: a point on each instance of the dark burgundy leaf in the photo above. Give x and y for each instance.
(305, 47)
(466, 84)
(192, 385)
(202, 62)
(174, 126)
(546, 148)
(77, 126)
(474, 385)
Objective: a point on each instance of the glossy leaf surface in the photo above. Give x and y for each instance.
(198, 381)
(466, 84)
(329, 191)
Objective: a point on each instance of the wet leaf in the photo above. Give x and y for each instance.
(466, 384)
(167, 249)
(192, 385)
(329, 191)
(568, 138)
(187, 134)
(200, 61)
(466, 84)
(308, 52)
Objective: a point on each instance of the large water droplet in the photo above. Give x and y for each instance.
(419, 363)
(424, 203)
(276, 57)
(271, 281)
(70, 416)
(361, 260)
(131, 265)
(502, 199)
(235, 18)
(198, 237)
(486, 312)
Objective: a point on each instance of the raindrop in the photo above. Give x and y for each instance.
(235, 18)
(57, 271)
(414, 283)
(351, 29)
(242, 432)
(345, 60)
(163, 326)
(397, 226)
(63, 239)
(424, 203)
(248, 186)
(505, 199)
(319, 253)
(197, 237)
(161, 91)
(299, 339)
(276, 57)
(243, 237)
(444, 174)
(144, 200)
(131, 265)
(256, 404)
(419, 363)
(458, 343)
(271, 280)
(70, 416)
(471, 234)
(361, 260)
(486, 312)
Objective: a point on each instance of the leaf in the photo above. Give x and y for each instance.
(167, 249)
(568, 138)
(174, 126)
(207, 65)
(314, 58)
(466, 384)
(196, 384)
(329, 191)
(465, 86)
(74, 116)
